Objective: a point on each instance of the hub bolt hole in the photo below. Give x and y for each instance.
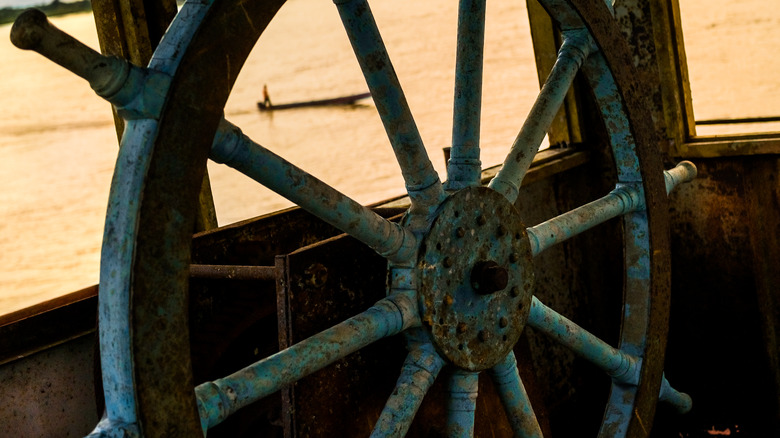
(488, 277)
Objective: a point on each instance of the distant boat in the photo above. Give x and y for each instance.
(344, 100)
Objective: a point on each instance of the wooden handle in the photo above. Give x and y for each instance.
(33, 31)
(684, 171)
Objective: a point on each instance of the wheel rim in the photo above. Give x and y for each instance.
(144, 333)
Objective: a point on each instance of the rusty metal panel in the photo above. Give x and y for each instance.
(762, 184)
(724, 235)
(259, 240)
(45, 325)
(323, 285)
(51, 393)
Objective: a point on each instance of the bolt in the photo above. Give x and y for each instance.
(448, 299)
(316, 275)
(447, 262)
(481, 220)
(503, 322)
(460, 232)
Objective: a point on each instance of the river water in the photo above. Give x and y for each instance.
(58, 145)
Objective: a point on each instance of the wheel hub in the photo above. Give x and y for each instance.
(476, 278)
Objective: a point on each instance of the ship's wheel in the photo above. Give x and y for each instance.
(460, 264)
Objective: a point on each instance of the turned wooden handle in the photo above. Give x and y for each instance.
(33, 31)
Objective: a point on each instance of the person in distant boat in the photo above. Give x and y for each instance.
(266, 98)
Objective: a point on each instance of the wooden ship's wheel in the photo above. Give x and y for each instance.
(460, 285)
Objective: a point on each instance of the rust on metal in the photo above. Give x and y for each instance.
(482, 245)
(318, 289)
(233, 272)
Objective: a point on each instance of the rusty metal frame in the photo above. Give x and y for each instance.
(48, 324)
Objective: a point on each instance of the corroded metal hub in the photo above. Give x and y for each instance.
(476, 278)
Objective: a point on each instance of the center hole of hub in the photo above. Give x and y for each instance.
(488, 277)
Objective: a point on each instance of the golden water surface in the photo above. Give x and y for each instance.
(58, 145)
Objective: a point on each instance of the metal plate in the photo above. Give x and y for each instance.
(324, 284)
(476, 278)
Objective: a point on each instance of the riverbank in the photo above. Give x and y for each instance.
(55, 8)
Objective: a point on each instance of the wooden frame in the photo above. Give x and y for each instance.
(565, 129)
(670, 63)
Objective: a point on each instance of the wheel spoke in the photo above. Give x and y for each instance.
(618, 365)
(464, 167)
(233, 148)
(220, 398)
(623, 368)
(422, 181)
(684, 171)
(681, 401)
(463, 388)
(577, 45)
(515, 399)
(420, 369)
(624, 199)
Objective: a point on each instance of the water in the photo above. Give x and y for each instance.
(24, 3)
(731, 49)
(58, 145)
